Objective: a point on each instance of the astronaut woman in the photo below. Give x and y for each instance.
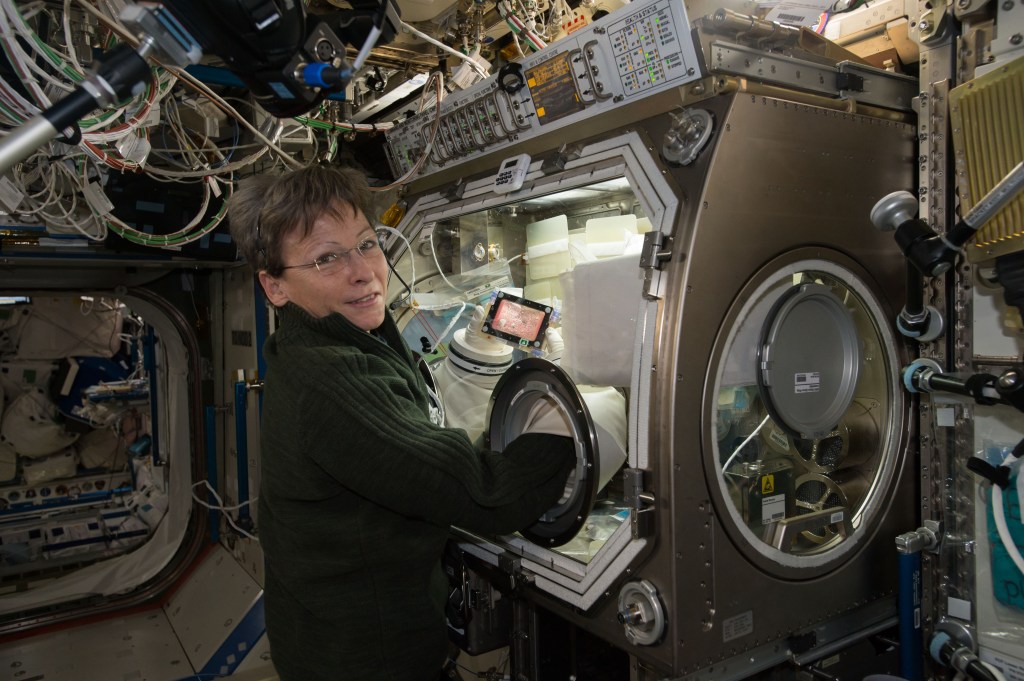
(359, 487)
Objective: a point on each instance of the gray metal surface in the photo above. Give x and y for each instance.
(778, 69)
(808, 386)
(779, 183)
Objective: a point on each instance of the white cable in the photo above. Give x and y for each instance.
(412, 301)
(55, 177)
(22, 59)
(437, 264)
(24, 63)
(516, 22)
(420, 34)
(20, 68)
(368, 44)
(219, 506)
(173, 239)
(447, 329)
(438, 79)
(58, 200)
(996, 672)
(728, 462)
(28, 34)
(68, 38)
(17, 103)
(184, 75)
(559, 6)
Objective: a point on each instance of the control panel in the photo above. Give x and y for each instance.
(638, 51)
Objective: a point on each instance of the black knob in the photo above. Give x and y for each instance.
(510, 78)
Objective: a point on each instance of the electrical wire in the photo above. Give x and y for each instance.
(437, 43)
(438, 79)
(60, 201)
(193, 82)
(437, 263)
(408, 246)
(517, 25)
(564, 10)
(348, 127)
(735, 453)
(185, 235)
(63, 186)
(58, 62)
(219, 506)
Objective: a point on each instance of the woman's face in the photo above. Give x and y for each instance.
(354, 285)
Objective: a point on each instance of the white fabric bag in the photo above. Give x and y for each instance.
(71, 327)
(30, 429)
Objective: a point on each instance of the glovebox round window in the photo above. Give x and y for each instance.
(803, 408)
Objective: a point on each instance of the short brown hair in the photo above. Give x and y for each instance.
(265, 208)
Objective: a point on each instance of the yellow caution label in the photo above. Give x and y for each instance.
(540, 112)
(768, 484)
(532, 82)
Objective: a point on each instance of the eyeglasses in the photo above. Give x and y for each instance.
(328, 262)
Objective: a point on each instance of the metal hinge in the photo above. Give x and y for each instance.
(565, 154)
(640, 502)
(656, 251)
(512, 565)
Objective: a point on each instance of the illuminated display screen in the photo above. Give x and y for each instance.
(518, 320)
(553, 88)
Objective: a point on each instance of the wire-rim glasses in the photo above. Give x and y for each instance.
(368, 247)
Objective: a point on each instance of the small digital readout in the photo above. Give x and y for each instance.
(553, 88)
(518, 320)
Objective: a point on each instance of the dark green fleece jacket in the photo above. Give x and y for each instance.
(358, 491)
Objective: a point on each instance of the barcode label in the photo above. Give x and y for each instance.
(791, 17)
(809, 382)
(773, 509)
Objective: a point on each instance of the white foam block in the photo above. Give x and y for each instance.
(599, 320)
(551, 229)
